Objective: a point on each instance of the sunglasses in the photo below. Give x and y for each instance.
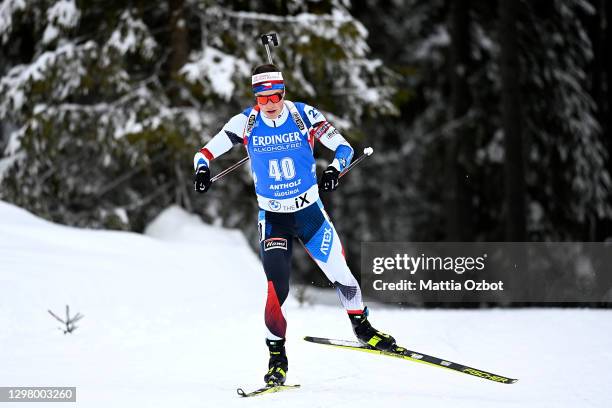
(274, 98)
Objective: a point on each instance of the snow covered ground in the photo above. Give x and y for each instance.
(174, 318)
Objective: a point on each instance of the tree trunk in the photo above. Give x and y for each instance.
(514, 172)
(607, 104)
(179, 46)
(458, 157)
(600, 91)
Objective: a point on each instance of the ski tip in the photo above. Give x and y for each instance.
(504, 380)
(268, 388)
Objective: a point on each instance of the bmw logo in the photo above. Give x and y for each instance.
(274, 205)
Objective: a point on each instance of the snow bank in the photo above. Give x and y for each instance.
(176, 225)
(174, 318)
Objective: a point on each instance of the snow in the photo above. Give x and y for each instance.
(50, 34)
(494, 150)
(130, 126)
(214, 68)
(331, 27)
(5, 165)
(174, 318)
(440, 38)
(63, 14)
(14, 142)
(21, 78)
(7, 9)
(132, 35)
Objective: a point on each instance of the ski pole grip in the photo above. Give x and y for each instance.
(270, 39)
(367, 152)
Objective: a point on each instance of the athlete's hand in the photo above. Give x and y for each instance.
(329, 179)
(201, 179)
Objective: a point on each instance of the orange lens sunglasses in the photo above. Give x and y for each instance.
(274, 98)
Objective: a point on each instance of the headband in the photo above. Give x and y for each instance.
(267, 81)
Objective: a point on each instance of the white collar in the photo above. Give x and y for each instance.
(278, 121)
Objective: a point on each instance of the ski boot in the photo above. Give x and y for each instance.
(369, 336)
(278, 365)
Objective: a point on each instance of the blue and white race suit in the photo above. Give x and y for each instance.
(284, 174)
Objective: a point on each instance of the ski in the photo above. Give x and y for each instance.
(403, 353)
(268, 389)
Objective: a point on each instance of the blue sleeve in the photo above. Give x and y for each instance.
(344, 155)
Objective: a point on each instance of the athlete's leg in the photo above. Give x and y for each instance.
(276, 242)
(321, 240)
(322, 243)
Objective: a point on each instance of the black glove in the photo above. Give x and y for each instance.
(329, 179)
(201, 179)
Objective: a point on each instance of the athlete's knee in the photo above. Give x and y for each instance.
(278, 274)
(279, 289)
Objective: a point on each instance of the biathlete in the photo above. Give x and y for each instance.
(279, 136)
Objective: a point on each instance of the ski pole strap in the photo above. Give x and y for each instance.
(367, 152)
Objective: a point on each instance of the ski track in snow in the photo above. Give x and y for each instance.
(174, 318)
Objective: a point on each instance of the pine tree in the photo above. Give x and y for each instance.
(568, 182)
(113, 99)
(565, 160)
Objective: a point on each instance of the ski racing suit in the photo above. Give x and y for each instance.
(284, 174)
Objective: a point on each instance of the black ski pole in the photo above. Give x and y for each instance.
(366, 153)
(229, 169)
